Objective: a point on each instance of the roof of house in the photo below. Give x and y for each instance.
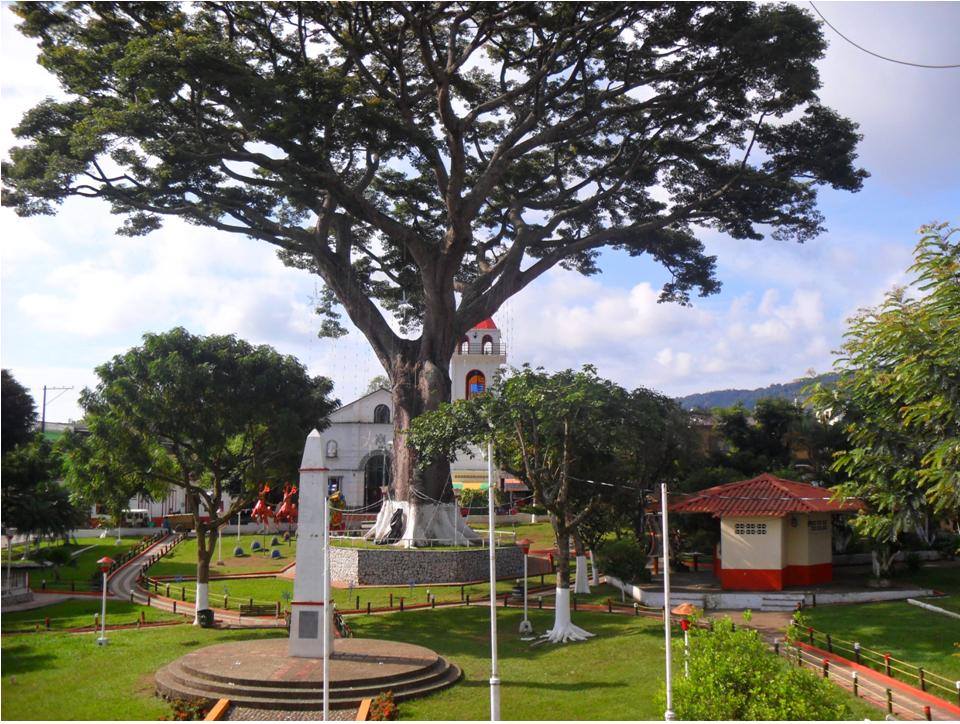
(765, 495)
(486, 324)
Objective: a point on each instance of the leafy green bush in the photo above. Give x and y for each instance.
(733, 675)
(624, 558)
(534, 509)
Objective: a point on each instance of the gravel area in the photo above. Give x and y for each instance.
(240, 713)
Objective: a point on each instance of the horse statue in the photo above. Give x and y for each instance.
(287, 510)
(261, 511)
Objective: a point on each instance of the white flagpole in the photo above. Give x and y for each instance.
(494, 669)
(668, 715)
(327, 617)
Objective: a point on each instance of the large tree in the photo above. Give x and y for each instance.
(32, 501)
(898, 399)
(427, 161)
(19, 413)
(203, 414)
(552, 431)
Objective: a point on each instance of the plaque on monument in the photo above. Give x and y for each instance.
(309, 624)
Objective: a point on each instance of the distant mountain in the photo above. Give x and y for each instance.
(727, 398)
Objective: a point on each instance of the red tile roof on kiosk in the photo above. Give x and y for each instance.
(486, 324)
(764, 495)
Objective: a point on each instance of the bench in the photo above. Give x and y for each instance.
(258, 610)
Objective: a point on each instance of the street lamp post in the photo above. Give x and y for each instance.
(104, 564)
(525, 626)
(494, 667)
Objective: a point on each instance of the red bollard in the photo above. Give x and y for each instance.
(926, 713)
(46, 621)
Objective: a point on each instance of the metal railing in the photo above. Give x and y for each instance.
(490, 348)
(881, 662)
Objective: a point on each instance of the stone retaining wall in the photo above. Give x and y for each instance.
(401, 566)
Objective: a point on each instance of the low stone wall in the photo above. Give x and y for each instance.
(401, 566)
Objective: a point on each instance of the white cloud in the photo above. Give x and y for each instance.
(637, 341)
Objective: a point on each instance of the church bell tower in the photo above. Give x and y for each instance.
(476, 360)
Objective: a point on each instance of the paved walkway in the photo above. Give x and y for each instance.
(39, 600)
(123, 584)
(240, 713)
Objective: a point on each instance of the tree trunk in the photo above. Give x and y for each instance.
(581, 584)
(423, 494)
(418, 386)
(563, 629)
(205, 547)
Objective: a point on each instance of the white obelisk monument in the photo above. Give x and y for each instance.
(307, 609)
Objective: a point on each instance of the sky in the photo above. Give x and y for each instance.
(72, 294)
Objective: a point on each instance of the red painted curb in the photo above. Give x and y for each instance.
(888, 681)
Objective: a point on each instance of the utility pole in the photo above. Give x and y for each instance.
(43, 413)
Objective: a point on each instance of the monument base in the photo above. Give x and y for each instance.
(261, 675)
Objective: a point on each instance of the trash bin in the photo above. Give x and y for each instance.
(205, 617)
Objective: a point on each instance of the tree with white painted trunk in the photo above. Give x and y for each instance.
(550, 430)
(428, 161)
(210, 415)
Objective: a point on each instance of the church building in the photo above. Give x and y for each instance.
(358, 443)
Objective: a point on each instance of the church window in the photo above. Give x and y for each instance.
(381, 414)
(476, 383)
(487, 344)
(331, 448)
(464, 346)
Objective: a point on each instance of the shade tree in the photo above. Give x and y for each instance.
(428, 161)
(897, 398)
(549, 430)
(19, 413)
(202, 414)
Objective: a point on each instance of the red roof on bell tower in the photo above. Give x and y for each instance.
(486, 324)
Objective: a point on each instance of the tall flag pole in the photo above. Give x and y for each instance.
(327, 603)
(494, 668)
(668, 715)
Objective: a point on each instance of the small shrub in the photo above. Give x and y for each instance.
(947, 544)
(383, 708)
(188, 710)
(734, 676)
(624, 558)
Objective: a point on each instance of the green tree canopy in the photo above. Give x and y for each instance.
(898, 396)
(33, 501)
(200, 413)
(430, 160)
(19, 413)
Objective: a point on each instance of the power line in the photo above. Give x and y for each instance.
(877, 55)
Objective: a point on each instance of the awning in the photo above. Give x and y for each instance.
(514, 485)
(469, 479)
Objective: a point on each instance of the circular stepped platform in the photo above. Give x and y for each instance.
(260, 674)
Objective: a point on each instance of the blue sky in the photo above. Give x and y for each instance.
(73, 294)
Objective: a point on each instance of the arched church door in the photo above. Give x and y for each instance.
(376, 474)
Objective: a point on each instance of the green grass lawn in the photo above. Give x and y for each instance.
(182, 560)
(906, 632)
(540, 534)
(79, 612)
(67, 676)
(84, 565)
(271, 590)
(615, 675)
